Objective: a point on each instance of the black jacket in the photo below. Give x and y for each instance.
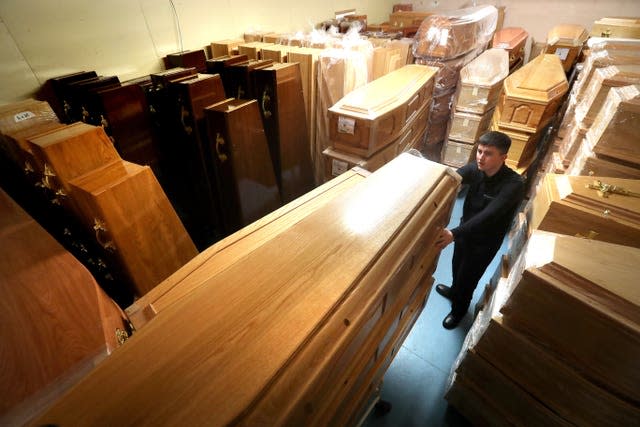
(490, 204)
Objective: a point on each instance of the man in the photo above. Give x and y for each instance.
(494, 195)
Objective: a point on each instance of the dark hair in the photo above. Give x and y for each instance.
(496, 139)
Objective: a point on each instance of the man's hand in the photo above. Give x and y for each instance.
(444, 238)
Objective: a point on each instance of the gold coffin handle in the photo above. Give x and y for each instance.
(100, 227)
(266, 99)
(220, 142)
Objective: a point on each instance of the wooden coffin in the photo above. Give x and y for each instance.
(55, 93)
(238, 78)
(69, 152)
(481, 82)
(601, 83)
(254, 36)
(513, 40)
(126, 119)
(276, 53)
(614, 133)
(161, 79)
(22, 119)
(585, 313)
(566, 41)
(217, 65)
(133, 221)
(274, 38)
(373, 115)
(595, 166)
(245, 179)
(467, 127)
(187, 59)
(457, 154)
(616, 27)
(279, 90)
(405, 18)
(566, 205)
(84, 103)
(487, 397)
(226, 47)
(56, 321)
(235, 246)
(523, 144)
(308, 60)
(253, 50)
(449, 36)
(532, 94)
(327, 298)
(548, 378)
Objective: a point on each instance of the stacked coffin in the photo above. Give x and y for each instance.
(513, 40)
(530, 98)
(610, 64)
(566, 41)
(591, 102)
(56, 322)
(606, 209)
(478, 93)
(449, 42)
(376, 122)
(616, 27)
(611, 146)
(564, 350)
(304, 309)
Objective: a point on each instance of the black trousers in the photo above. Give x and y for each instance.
(470, 260)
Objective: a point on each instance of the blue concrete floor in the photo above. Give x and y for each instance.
(416, 380)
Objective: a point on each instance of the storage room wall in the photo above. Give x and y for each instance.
(40, 39)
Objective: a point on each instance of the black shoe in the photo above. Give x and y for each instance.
(443, 290)
(452, 320)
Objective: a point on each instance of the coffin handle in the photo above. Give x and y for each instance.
(100, 227)
(219, 142)
(266, 99)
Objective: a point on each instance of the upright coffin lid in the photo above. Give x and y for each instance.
(206, 357)
(509, 38)
(567, 35)
(386, 93)
(541, 80)
(491, 67)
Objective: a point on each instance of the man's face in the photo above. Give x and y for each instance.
(489, 159)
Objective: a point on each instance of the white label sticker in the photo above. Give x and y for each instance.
(22, 116)
(458, 150)
(562, 52)
(346, 125)
(475, 91)
(465, 123)
(338, 167)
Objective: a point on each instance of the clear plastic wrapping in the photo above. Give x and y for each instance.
(613, 123)
(454, 34)
(481, 81)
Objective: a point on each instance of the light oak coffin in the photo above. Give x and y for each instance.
(373, 115)
(457, 154)
(56, 321)
(133, 221)
(587, 314)
(532, 94)
(295, 331)
(550, 380)
(225, 47)
(566, 41)
(468, 127)
(616, 27)
(566, 205)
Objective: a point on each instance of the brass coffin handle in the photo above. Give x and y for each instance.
(100, 227)
(220, 142)
(184, 114)
(266, 99)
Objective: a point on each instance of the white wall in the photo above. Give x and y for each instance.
(40, 39)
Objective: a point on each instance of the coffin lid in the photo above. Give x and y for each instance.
(386, 92)
(510, 37)
(491, 67)
(567, 35)
(542, 80)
